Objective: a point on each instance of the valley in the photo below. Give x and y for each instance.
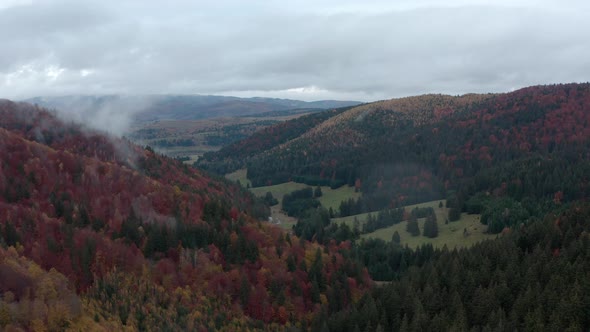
(190, 139)
(182, 126)
(309, 166)
(288, 223)
(497, 160)
(451, 234)
(330, 199)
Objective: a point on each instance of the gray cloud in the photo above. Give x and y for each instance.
(305, 50)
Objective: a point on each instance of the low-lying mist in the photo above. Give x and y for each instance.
(112, 114)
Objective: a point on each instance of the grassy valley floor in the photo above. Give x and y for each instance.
(458, 234)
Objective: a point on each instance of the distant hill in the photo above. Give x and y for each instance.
(531, 143)
(129, 239)
(181, 107)
(235, 155)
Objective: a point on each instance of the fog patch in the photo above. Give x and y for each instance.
(111, 114)
(96, 116)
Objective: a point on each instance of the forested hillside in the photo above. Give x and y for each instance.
(520, 160)
(235, 156)
(534, 279)
(334, 149)
(530, 145)
(132, 239)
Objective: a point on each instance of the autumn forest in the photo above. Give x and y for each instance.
(99, 233)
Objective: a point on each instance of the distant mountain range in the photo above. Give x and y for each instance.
(181, 107)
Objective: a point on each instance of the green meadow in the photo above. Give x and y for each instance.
(457, 234)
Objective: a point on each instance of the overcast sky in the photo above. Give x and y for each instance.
(310, 50)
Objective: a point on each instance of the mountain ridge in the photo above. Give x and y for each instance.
(181, 107)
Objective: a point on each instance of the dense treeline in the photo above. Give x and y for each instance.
(385, 260)
(299, 201)
(351, 207)
(383, 219)
(534, 279)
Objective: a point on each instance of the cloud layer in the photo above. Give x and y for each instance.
(339, 49)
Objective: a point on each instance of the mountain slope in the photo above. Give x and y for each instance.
(360, 130)
(149, 242)
(531, 279)
(422, 148)
(235, 155)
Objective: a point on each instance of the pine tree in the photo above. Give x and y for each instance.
(454, 214)
(356, 227)
(431, 226)
(315, 291)
(317, 192)
(405, 326)
(395, 238)
(412, 227)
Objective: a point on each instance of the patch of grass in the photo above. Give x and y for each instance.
(281, 219)
(450, 234)
(278, 190)
(362, 218)
(239, 175)
(441, 214)
(331, 198)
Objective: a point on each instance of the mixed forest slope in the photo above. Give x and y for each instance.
(141, 241)
(235, 155)
(532, 279)
(131, 240)
(530, 145)
(521, 160)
